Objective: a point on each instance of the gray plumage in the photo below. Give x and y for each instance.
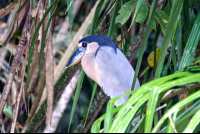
(106, 64)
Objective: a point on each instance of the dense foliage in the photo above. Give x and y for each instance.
(160, 38)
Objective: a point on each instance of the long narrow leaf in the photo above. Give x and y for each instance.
(186, 19)
(44, 36)
(191, 44)
(149, 25)
(139, 94)
(96, 125)
(159, 89)
(108, 119)
(176, 9)
(193, 123)
(185, 115)
(179, 105)
(92, 97)
(78, 90)
(96, 15)
(110, 30)
(138, 7)
(70, 6)
(138, 124)
(179, 40)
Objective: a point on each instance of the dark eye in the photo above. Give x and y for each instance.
(84, 45)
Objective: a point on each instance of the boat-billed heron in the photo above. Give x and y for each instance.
(104, 63)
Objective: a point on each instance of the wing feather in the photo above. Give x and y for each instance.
(116, 73)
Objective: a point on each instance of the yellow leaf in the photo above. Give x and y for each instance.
(151, 56)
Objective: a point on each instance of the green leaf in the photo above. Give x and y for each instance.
(193, 123)
(70, 8)
(96, 15)
(192, 3)
(173, 51)
(142, 14)
(186, 19)
(96, 125)
(154, 94)
(191, 45)
(92, 97)
(44, 36)
(147, 92)
(146, 36)
(141, 95)
(138, 124)
(154, 25)
(176, 10)
(162, 19)
(184, 116)
(125, 12)
(78, 90)
(110, 30)
(138, 8)
(109, 115)
(177, 107)
(179, 40)
(7, 110)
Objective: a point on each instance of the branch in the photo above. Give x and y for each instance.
(25, 32)
(58, 90)
(50, 74)
(95, 114)
(14, 68)
(173, 92)
(9, 8)
(61, 83)
(62, 104)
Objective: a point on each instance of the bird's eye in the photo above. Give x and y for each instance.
(84, 45)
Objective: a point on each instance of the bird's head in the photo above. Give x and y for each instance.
(90, 44)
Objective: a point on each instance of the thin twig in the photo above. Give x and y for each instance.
(16, 111)
(95, 114)
(22, 75)
(173, 93)
(171, 122)
(132, 57)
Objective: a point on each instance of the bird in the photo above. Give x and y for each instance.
(103, 62)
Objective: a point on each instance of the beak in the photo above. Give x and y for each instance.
(76, 57)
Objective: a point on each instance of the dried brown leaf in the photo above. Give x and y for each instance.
(34, 12)
(19, 20)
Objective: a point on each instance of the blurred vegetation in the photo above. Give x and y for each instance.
(160, 38)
